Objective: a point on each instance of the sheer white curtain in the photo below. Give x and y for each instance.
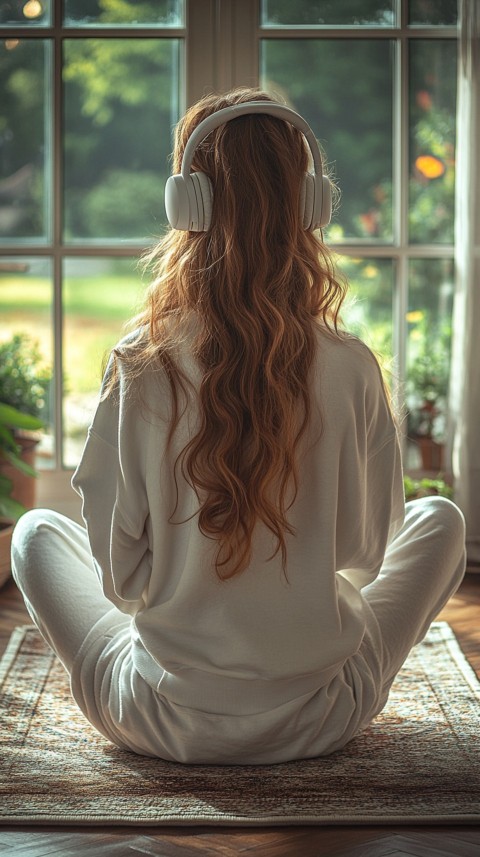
(465, 375)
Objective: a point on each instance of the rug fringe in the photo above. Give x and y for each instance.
(196, 819)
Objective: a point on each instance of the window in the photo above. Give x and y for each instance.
(87, 105)
(89, 92)
(379, 89)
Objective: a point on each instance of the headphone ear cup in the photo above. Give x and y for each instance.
(188, 202)
(315, 201)
(307, 199)
(204, 201)
(323, 202)
(177, 205)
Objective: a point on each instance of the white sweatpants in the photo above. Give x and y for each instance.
(53, 568)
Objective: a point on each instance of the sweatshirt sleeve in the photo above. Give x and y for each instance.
(372, 492)
(111, 480)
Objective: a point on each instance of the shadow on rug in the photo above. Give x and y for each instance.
(419, 762)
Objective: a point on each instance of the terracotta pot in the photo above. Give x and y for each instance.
(24, 491)
(6, 530)
(24, 487)
(432, 454)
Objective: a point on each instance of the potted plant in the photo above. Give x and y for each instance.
(415, 488)
(12, 458)
(427, 389)
(24, 388)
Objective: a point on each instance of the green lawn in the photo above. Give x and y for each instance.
(95, 308)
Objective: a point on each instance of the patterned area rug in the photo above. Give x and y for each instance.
(419, 762)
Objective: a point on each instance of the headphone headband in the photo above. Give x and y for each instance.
(189, 196)
(220, 117)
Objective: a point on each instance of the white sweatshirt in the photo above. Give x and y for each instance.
(224, 645)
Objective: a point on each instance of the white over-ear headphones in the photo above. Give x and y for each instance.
(189, 196)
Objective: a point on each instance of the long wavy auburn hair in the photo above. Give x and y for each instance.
(257, 283)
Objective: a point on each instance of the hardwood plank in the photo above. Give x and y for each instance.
(470, 840)
(413, 844)
(381, 848)
(394, 854)
(38, 844)
(279, 842)
(422, 845)
(70, 844)
(466, 834)
(315, 842)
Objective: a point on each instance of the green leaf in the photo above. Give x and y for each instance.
(7, 440)
(20, 464)
(6, 484)
(13, 418)
(10, 508)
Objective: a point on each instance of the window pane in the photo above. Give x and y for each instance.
(321, 13)
(34, 13)
(99, 296)
(344, 90)
(26, 310)
(123, 13)
(432, 12)
(429, 321)
(432, 141)
(23, 138)
(121, 100)
(367, 311)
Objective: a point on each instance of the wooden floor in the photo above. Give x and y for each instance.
(462, 612)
